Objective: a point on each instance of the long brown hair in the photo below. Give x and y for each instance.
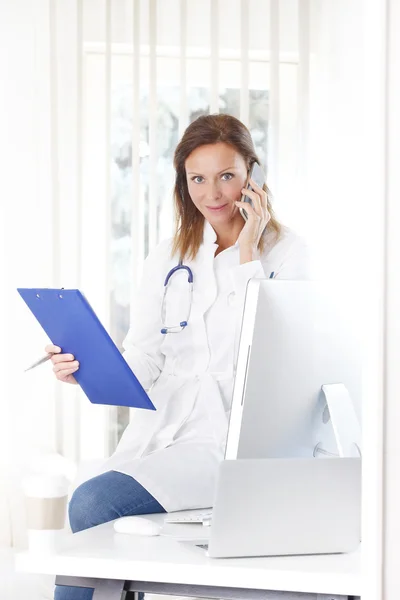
(189, 222)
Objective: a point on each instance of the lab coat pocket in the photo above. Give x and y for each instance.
(185, 351)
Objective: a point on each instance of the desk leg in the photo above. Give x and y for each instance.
(104, 589)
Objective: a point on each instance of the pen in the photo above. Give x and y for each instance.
(40, 361)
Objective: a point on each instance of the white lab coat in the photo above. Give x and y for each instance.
(174, 452)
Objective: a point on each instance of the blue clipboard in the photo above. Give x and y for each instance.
(71, 323)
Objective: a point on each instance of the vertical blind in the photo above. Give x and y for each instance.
(121, 80)
(111, 86)
(153, 57)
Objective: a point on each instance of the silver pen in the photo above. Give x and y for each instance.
(40, 361)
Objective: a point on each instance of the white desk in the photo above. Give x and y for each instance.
(111, 562)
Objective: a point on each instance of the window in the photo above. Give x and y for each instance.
(167, 122)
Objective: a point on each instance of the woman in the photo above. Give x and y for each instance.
(167, 459)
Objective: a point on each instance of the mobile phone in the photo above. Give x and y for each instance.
(256, 174)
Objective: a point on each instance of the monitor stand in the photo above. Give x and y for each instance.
(339, 410)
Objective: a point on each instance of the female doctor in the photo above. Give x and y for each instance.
(183, 344)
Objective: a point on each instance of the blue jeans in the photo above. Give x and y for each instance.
(101, 499)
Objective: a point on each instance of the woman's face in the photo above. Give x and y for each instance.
(216, 174)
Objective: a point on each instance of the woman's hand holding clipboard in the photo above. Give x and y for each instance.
(64, 365)
(86, 354)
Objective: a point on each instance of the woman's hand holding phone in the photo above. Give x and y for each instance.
(257, 220)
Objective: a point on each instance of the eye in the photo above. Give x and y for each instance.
(227, 176)
(196, 179)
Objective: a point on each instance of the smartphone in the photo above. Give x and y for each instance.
(257, 175)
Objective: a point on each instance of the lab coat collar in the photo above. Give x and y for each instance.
(210, 236)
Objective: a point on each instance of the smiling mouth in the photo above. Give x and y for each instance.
(217, 207)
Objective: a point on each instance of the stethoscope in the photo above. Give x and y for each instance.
(176, 328)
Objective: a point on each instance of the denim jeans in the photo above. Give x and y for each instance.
(101, 499)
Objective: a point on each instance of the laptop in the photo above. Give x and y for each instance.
(270, 507)
(278, 507)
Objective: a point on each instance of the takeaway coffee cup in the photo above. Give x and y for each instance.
(46, 503)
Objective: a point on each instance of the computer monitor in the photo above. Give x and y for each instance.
(297, 390)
